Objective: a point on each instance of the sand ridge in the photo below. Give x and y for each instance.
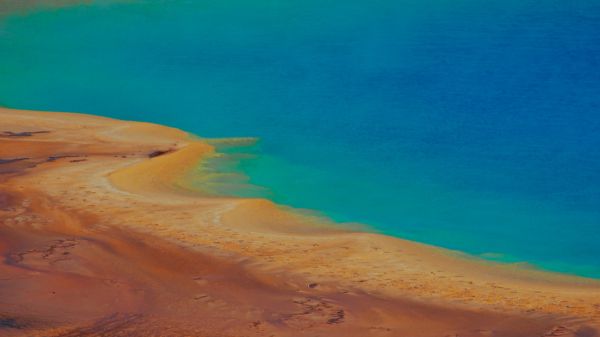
(100, 207)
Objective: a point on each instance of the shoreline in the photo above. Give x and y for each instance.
(193, 181)
(439, 209)
(106, 183)
(172, 174)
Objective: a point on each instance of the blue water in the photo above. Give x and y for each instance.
(473, 125)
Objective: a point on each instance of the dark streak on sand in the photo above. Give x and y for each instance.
(53, 158)
(21, 134)
(11, 323)
(159, 153)
(16, 165)
(11, 160)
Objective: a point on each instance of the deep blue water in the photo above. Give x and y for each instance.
(473, 125)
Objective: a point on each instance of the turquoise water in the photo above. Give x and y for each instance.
(473, 125)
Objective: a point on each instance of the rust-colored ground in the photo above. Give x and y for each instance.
(99, 236)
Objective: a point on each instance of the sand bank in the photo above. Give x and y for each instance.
(101, 237)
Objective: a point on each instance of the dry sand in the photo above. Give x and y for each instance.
(101, 237)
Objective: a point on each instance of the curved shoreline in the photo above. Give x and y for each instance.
(505, 251)
(114, 189)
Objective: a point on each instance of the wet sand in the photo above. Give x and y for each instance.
(100, 236)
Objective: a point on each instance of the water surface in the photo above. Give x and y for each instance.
(473, 125)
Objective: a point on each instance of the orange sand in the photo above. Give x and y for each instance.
(102, 240)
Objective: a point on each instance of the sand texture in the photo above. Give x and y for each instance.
(100, 236)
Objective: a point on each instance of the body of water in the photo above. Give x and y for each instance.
(472, 125)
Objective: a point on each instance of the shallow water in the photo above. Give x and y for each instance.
(467, 124)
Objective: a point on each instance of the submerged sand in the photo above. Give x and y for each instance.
(101, 237)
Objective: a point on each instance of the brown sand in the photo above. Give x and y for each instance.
(99, 239)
